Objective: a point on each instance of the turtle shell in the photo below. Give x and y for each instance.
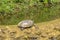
(25, 23)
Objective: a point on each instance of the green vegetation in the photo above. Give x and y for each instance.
(13, 11)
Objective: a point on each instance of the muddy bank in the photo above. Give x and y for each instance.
(45, 31)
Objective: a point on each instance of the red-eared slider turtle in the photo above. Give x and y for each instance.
(25, 24)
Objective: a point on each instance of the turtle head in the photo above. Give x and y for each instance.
(21, 28)
(36, 27)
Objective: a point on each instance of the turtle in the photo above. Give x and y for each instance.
(26, 24)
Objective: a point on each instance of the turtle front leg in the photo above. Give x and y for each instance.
(22, 29)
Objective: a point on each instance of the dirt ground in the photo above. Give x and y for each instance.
(44, 31)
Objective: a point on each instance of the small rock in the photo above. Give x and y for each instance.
(2, 38)
(52, 38)
(12, 34)
(32, 37)
(58, 37)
